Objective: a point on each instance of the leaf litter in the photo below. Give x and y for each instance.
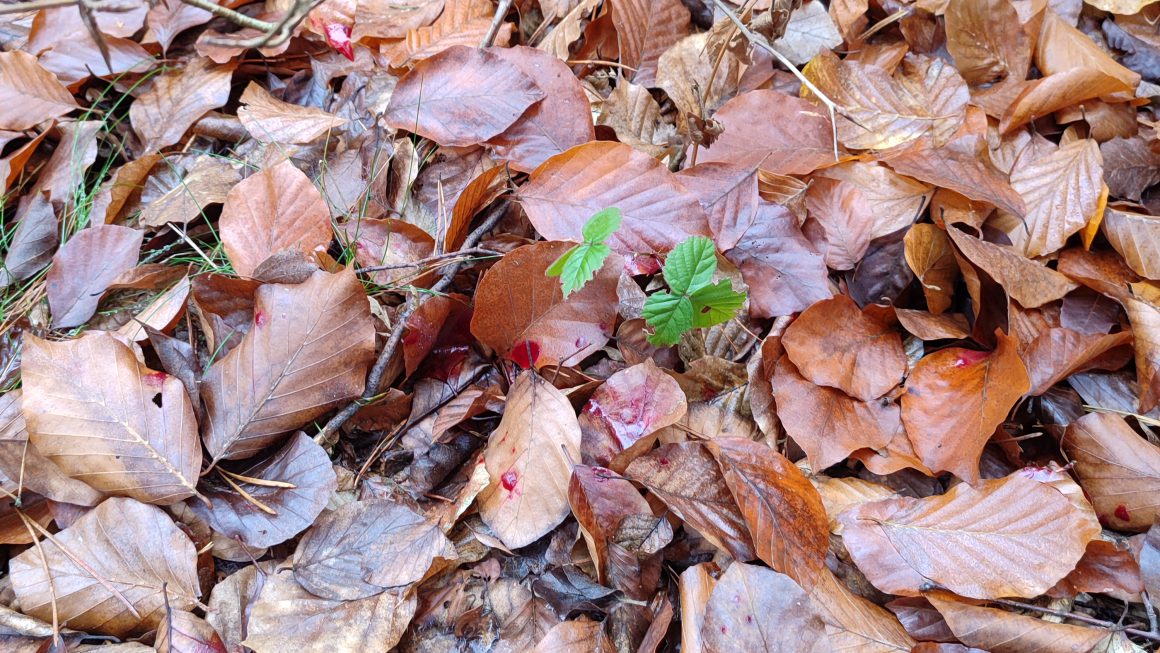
(600, 326)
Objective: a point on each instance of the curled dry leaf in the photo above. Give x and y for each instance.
(928, 253)
(522, 314)
(1027, 282)
(113, 571)
(777, 132)
(1059, 91)
(602, 503)
(827, 423)
(1145, 319)
(631, 404)
(999, 631)
(569, 188)
(461, 96)
(687, 478)
(782, 510)
(175, 100)
(864, 358)
(308, 349)
(987, 41)
(364, 547)
(1012, 536)
(271, 120)
(29, 94)
(95, 410)
(529, 458)
(756, 609)
(277, 209)
(956, 398)
(300, 463)
(1136, 236)
(1117, 468)
(33, 242)
(575, 637)
(1057, 353)
(1062, 191)
(84, 267)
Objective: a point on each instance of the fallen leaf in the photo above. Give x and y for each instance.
(114, 571)
(864, 358)
(1134, 235)
(1004, 632)
(1059, 91)
(777, 132)
(1061, 190)
(810, 31)
(174, 101)
(179, 196)
(1058, 352)
(394, 244)
(568, 189)
(277, 209)
(575, 637)
(1105, 568)
(461, 96)
(95, 410)
(271, 120)
(521, 312)
(363, 547)
(1145, 319)
(269, 384)
(781, 508)
(854, 623)
(630, 405)
(645, 29)
(844, 217)
(529, 458)
(956, 398)
(29, 93)
(1130, 166)
(602, 504)
(1117, 468)
(987, 41)
(1061, 47)
(728, 193)
(1027, 282)
(961, 165)
(757, 609)
(83, 268)
(184, 632)
(929, 255)
(33, 242)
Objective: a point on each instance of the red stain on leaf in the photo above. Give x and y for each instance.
(259, 319)
(1122, 513)
(525, 353)
(509, 480)
(338, 36)
(969, 357)
(156, 378)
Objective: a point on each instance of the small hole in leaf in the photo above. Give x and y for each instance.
(157, 400)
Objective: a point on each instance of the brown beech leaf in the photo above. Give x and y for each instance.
(277, 209)
(114, 571)
(1012, 536)
(364, 547)
(175, 100)
(951, 326)
(896, 201)
(864, 358)
(601, 502)
(1130, 166)
(987, 41)
(784, 272)
(1136, 236)
(271, 120)
(569, 188)
(645, 29)
(956, 398)
(84, 267)
(1058, 352)
(29, 94)
(728, 193)
(826, 423)
(1062, 192)
(688, 479)
(22, 463)
(575, 637)
(560, 121)
(33, 242)
(999, 631)
(1027, 282)
(308, 349)
(301, 463)
(777, 132)
(781, 508)
(95, 410)
(925, 97)
(1059, 91)
(181, 196)
(756, 609)
(928, 253)
(962, 165)
(631, 404)
(855, 624)
(1117, 468)
(1105, 568)
(389, 242)
(1062, 47)
(1145, 319)
(521, 312)
(845, 219)
(529, 458)
(461, 96)
(285, 618)
(184, 632)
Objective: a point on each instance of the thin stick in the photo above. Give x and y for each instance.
(47, 574)
(328, 435)
(1151, 612)
(763, 43)
(496, 22)
(431, 261)
(235, 17)
(103, 5)
(1083, 618)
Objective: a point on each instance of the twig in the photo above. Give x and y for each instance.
(235, 17)
(1083, 618)
(327, 436)
(103, 5)
(1151, 612)
(431, 261)
(763, 43)
(496, 22)
(277, 34)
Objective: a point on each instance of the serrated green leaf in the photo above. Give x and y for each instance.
(690, 265)
(557, 266)
(669, 315)
(585, 261)
(600, 226)
(716, 304)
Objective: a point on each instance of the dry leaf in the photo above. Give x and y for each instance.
(755, 609)
(1062, 192)
(271, 120)
(1117, 468)
(29, 94)
(1004, 632)
(84, 267)
(774, 131)
(174, 101)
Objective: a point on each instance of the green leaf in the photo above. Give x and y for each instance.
(690, 266)
(669, 315)
(716, 304)
(557, 266)
(600, 226)
(582, 265)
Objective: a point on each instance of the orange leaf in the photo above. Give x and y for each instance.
(29, 94)
(1117, 468)
(774, 131)
(999, 631)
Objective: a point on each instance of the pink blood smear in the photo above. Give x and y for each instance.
(338, 36)
(525, 353)
(156, 378)
(625, 417)
(259, 319)
(509, 480)
(969, 357)
(1122, 513)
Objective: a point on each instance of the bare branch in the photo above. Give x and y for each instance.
(496, 22)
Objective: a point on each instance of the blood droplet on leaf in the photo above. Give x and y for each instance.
(1122, 513)
(259, 319)
(969, 357)
(509, 479)
(525, 353)
(338, 36)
